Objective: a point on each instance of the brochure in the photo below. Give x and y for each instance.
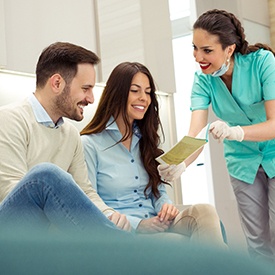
(186, 147)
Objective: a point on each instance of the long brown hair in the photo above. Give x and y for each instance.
(113, 102)
(228, 29)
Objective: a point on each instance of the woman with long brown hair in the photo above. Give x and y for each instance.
(121, 143)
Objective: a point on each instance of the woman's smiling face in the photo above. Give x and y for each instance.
(208, 51)
(139, 97)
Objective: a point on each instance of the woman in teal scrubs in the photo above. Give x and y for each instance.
(238, 80)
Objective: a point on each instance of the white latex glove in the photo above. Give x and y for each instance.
(220, 130)
(171, 172)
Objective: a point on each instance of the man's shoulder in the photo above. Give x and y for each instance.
(69, 125)
(15, 103)
(70, 130)
(18, 108)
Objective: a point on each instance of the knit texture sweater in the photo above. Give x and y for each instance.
(25, 143)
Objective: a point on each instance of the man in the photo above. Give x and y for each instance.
(43, 176)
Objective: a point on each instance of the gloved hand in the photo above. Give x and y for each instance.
(220, 130)
(171, 172)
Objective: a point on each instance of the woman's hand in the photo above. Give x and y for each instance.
(168, 212)
(153, 225)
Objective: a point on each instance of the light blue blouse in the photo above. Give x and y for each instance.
(119, 176)
(253, 82)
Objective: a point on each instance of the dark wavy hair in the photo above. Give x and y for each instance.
(229, 30)
(113, 102)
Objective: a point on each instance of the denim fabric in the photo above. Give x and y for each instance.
(47, 196)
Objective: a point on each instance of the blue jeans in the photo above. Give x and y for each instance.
(48, 195)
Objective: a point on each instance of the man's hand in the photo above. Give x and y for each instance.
(120, 221)
(152, 225)
(220, 130)
(171, 172)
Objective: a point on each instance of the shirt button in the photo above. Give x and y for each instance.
(140, 205)
(132, 160)
(136, 177)
(146, 216)
(135, 191)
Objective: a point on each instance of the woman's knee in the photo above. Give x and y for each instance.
(204, 211)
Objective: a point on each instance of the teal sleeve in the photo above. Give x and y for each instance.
(267, 74)
(200, 98)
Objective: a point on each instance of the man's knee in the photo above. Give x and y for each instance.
(45, 167)
(47, 172)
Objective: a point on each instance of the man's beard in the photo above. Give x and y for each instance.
(65, 106)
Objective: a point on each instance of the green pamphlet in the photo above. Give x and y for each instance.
(186, 147)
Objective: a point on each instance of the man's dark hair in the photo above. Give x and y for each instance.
(62, 58)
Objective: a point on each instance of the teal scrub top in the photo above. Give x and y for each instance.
(253, 82)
